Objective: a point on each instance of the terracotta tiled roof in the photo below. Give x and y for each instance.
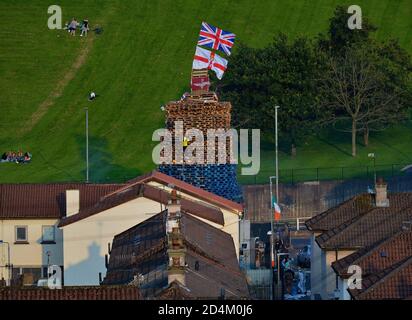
(384, 247)
(135, 191)
(354, 208)
(72, 293)
(358, 222)
(393, 283)
(142, 250)
(175, 291)
(376, 258)
(36, 201)
(366, 230)
(341, 214)
(189, 189)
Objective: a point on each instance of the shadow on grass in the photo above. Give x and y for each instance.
(379, 136)
(102, 168)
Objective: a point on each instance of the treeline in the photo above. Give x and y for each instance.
(344, 79)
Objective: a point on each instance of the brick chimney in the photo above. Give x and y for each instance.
(176, 249)
(381, 197)
(72, 202)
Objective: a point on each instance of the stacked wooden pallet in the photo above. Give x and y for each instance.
(223, 152)
(199, 114)
(218, 179)
(203, 111)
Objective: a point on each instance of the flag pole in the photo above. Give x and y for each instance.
(277, 179)
(87, 144)
(272, 239)
(277, 154)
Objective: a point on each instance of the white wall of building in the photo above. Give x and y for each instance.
(332, 280)
(323, 277)
(86, 241)
(343, 289)
(34, 253)
(316, 267)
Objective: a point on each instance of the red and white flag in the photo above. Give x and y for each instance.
(205, 59)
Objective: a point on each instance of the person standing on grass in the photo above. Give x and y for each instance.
(72, 27)
(85, 27)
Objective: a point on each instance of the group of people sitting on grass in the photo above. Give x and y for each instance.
(17, 157)
(73, 25)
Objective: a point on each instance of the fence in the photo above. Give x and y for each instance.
(328, 173)
(306, 199)
(260, 283)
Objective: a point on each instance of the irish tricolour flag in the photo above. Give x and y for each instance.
(276, 209)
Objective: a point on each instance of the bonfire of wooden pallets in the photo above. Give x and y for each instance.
(202, 110)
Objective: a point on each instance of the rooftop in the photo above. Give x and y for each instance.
(134, 191)
(47, 201)
(72, 293)
(211, 258)
(357, 223)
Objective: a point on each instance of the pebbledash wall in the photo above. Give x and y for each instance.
(33, 253)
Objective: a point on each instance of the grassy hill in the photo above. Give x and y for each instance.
(142, 60)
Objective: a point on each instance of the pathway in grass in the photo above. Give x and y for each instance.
(60, 86)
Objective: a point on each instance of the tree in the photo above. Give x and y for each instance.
(366, 82)
(339, 36)
(283, 74)
(391, 103)
(368, 87)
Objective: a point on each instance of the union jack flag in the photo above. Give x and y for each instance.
(216, 38)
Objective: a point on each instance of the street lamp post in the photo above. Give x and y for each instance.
(87, 143)
(372, 155)
(8, 254)
(277, 153)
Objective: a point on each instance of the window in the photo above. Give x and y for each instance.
(48, 234)
(26, 275)
(21, 234)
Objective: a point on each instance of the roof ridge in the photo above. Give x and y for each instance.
(183, 185)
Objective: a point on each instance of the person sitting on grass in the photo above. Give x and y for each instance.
(27, 157)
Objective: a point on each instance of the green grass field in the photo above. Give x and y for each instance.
(142, 60)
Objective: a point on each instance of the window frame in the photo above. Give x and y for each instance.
(21, 241)
(42, 234)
